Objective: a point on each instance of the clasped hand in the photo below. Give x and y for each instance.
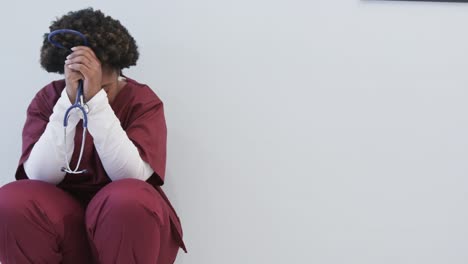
(82, 64)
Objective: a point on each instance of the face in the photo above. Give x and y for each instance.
(110, 82)
(109, 79)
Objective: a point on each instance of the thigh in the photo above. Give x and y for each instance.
(41, 224)
(132, 209)
(29, 194)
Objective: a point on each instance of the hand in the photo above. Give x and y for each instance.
(83, 64)
(71, 82)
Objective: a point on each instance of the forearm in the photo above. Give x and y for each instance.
(118, 154)
(48, 154)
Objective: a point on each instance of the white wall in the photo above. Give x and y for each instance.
(330, 132)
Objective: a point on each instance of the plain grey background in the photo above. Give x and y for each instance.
(331, 132)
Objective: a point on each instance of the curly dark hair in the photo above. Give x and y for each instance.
(110, 41)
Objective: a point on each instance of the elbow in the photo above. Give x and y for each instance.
(140, 172)
(33, 173)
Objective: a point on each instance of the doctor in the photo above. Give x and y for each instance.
(115, 212)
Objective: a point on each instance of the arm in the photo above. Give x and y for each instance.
(48, 154)
(118, 154)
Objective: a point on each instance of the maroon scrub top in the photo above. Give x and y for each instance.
(141, 115)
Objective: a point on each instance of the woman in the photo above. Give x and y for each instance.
(115, 212)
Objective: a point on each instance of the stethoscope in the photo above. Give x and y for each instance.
(79, 104)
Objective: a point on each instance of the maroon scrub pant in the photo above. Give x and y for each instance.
(126, 222)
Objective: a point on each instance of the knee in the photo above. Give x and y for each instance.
(16, 201)
(18, 195)
(124, 194)
(28, 198)
(126, 199)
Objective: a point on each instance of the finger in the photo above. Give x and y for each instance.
(82, 68)
(86, 48)
(85, 53)
(84, 58)
(75, 76)
(81, 60)
(83, 49)
(69, 72)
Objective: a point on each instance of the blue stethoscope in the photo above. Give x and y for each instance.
(79, 103)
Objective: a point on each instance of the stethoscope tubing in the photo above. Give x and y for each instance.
(64, 31)
(79, 104)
